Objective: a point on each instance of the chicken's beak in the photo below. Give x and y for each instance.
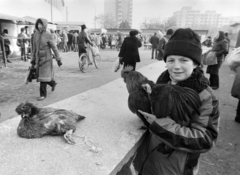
(147, 88)
(24, 115)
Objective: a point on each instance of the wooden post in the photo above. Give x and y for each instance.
(3, 51)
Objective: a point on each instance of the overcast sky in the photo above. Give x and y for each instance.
(84, 10)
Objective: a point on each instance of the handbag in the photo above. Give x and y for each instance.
(18, 43)
(209, 58)
(233, 60)
(117, 65)
(235, 91)
(32, 74)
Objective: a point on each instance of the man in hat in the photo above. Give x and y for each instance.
(154, 40)
(83, 40)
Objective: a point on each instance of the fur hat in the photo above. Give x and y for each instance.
(184, 42)
(133, 33)
(83, 26)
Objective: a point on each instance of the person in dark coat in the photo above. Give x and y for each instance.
(7, 44)
(154, 40)
(220, 46)
(228, 40)
(70, 41)
(129, 54)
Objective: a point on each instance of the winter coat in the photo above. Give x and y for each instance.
(65, 37)
(83, 39)
(188, 141)
(70, 38)
(220, 46)
(41, 55)
(154, 40)
(22, 41)
(129, 50)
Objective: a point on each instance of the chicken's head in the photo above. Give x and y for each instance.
(25, 109)
(147, 88)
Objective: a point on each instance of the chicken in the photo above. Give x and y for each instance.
(138, 98)
(179, 103)
(37, 122)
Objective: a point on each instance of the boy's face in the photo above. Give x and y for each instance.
(179, 67)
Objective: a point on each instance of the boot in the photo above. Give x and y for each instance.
(214, 82)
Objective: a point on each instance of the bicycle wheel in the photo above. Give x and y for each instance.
(97, 61)
(83, 63)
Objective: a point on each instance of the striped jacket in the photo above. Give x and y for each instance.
(188, 142)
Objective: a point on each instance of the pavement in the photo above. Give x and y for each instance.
(109, 124)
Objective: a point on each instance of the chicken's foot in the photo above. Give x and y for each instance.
(68, 137)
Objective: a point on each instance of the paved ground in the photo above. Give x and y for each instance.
(70, 80)
(224, 159)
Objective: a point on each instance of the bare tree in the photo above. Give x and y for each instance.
(170, 23)
(153, 23)
(124, 25)
(105, 21)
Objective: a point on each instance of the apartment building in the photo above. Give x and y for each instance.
(121, 10)
(187, 17)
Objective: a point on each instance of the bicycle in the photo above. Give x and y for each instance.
(83, 62)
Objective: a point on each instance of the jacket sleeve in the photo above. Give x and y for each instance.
(224, 49)
(87, 39)
(201, 134)
(33, 60)
(139, 43)
(122, 49)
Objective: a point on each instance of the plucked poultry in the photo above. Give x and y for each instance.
(37, 122)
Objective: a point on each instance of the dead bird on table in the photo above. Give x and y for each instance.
(37, 122)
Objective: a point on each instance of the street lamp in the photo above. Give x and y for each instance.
(94, 16)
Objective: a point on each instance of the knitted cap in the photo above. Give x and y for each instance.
(184, 42)
(169, 32)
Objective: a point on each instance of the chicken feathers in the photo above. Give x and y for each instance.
(179, 103)
(138, 98)
(37, 122)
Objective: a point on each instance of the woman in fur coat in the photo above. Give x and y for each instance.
(43, 43)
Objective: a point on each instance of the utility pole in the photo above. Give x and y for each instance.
(51, 12)
(66, 13)
(94, 17)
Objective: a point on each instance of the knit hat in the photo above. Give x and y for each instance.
(184, 42)
(169, 32)
(133, 33)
